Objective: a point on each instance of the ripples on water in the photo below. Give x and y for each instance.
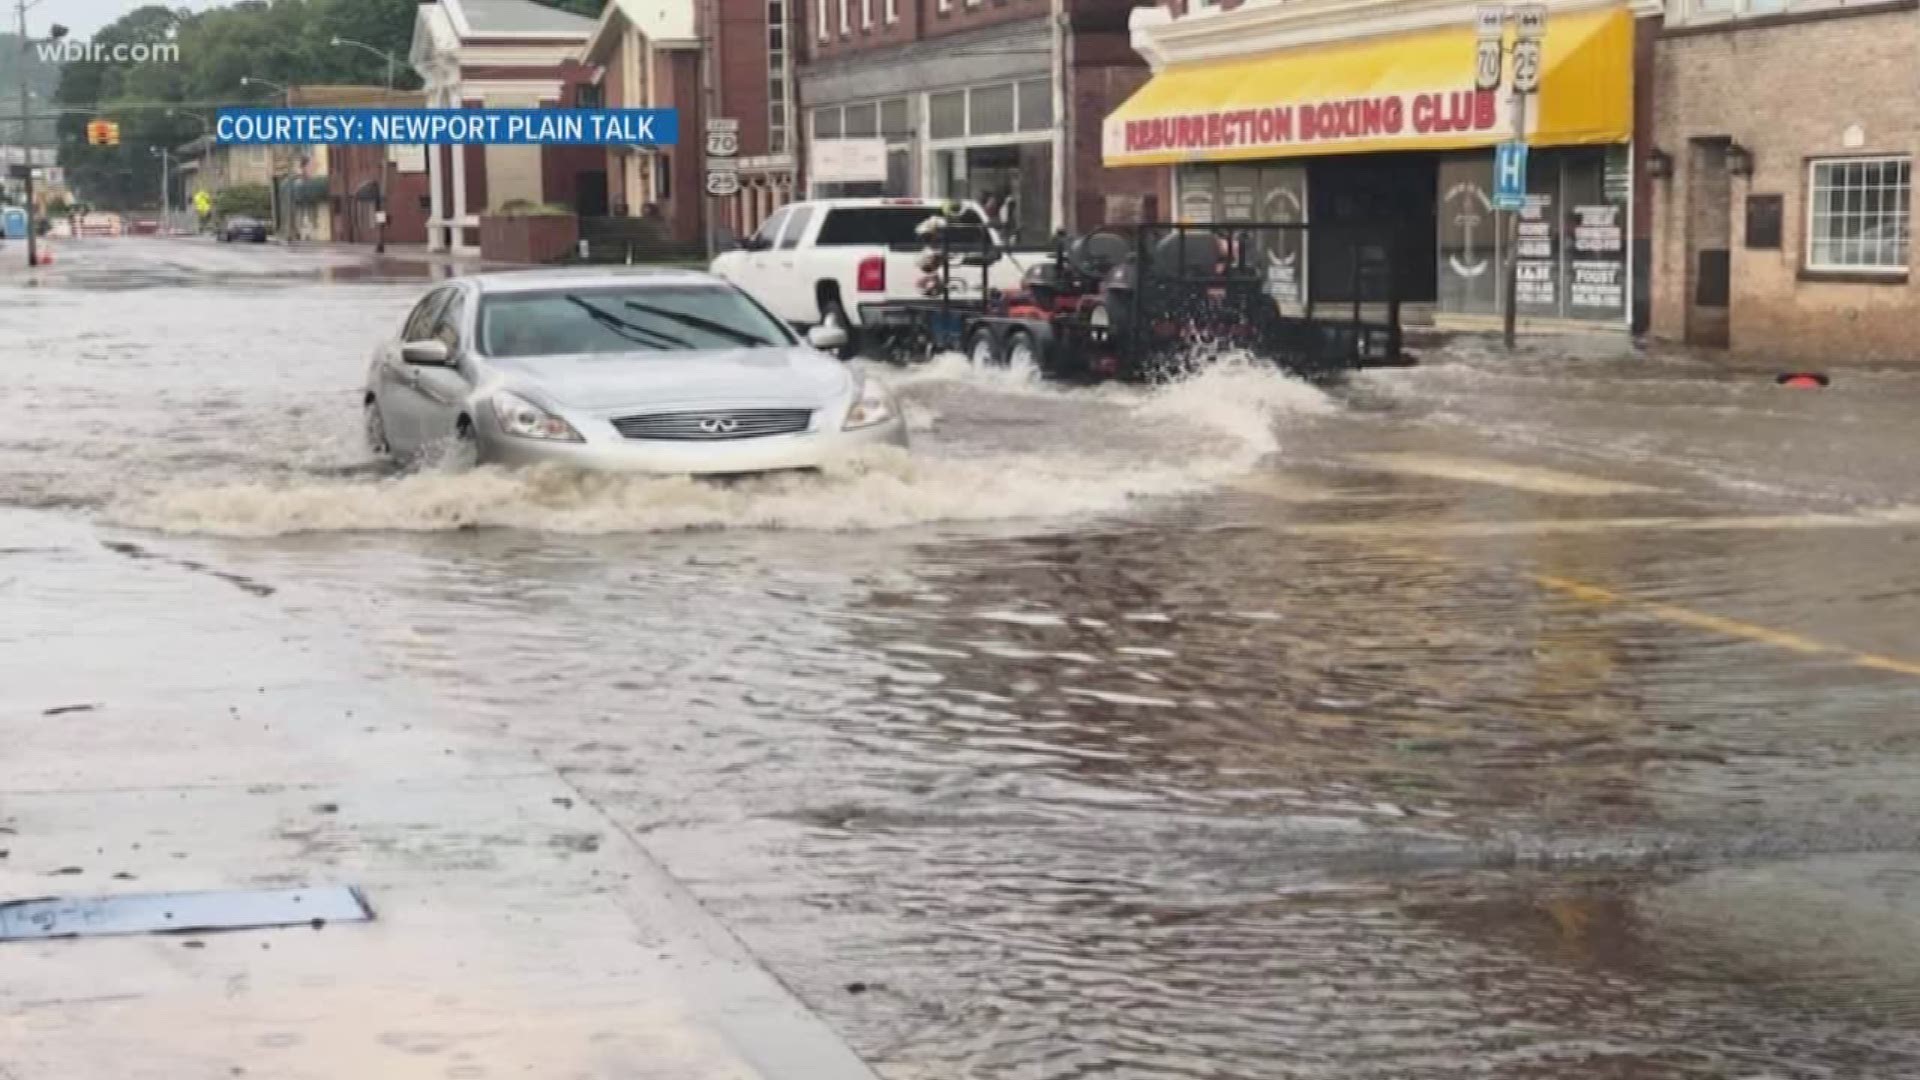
(1180, 792)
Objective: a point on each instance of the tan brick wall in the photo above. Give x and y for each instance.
(1787, 92)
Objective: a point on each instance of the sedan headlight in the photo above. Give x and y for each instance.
(872, 405)
(523, 418)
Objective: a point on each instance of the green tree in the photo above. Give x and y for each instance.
(250, 200)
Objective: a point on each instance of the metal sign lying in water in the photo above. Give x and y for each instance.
(171, 913)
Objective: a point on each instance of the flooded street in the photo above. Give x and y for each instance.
(1517, 717)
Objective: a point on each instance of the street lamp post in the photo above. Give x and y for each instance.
(380, 190)
(273, 157)
(166, 183)
(55, 33)
(206, 128)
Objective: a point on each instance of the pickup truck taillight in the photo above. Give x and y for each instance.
(873, 274)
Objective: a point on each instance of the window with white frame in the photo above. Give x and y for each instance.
(944, 5)
(1858, 214)
(893, 12)
(826, 29)
(778, 105)
(866, 14)
(846, 18)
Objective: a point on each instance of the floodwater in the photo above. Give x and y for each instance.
(1537, 716)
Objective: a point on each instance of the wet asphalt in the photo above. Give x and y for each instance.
(1509, 716)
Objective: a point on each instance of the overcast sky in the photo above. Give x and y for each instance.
(84, 17)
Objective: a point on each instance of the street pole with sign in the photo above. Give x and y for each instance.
(723, 170)
(1510, 162)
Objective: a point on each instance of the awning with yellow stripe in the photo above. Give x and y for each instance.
(1400, 92)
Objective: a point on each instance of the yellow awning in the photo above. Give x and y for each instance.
(1401, 92)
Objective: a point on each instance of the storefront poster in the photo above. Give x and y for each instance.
(1596, 230)
(1596, 278)
(1469, 238)
(1196, 206)
(1597, 286)
(1534, 277)
(1282, 199)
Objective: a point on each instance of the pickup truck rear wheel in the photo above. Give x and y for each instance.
(832, 313)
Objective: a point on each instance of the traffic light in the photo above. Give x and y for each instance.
(103, 133)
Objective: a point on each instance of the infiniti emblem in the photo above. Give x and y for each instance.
(719, 425)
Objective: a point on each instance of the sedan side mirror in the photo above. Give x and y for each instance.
(827, 337)
(428, 351)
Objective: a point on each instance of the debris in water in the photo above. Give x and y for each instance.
(62, 710)
(1803, 380)
(173, 913)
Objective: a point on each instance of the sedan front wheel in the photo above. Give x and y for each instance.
(376, 431)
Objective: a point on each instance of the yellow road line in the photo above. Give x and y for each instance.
(1734, 628)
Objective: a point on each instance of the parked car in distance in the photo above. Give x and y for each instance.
(240, 227)
(650, 371)
(825, 262)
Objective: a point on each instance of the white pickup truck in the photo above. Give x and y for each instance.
(831, 260)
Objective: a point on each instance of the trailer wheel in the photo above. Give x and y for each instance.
(982, 349)
(1021, 355)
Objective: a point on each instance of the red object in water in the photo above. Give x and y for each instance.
(1803, 380)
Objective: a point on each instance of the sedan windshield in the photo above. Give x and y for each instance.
(626, 319)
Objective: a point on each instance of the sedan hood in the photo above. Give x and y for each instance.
(796, 376)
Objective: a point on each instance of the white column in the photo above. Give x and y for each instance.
(436, 239)
(458, 238)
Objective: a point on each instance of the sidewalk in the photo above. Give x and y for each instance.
(210, 739)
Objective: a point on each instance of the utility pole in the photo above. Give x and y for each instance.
(166, 199)
(380, 190)
(280, 219)
(26, 121)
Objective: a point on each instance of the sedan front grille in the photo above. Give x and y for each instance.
(720, 424)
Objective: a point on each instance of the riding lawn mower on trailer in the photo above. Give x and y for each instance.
(1151, 300)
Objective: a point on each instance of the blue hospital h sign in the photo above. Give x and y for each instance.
(1510, 176)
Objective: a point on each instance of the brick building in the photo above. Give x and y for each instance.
(503, 54)
(971, 98)
(727, 59)
(1782, 147)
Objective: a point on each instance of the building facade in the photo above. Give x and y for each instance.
(1361, 119)
(503, 54)
(971, 99)
(1782, 147)
(730, 60)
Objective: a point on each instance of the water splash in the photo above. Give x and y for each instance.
(1156, 443)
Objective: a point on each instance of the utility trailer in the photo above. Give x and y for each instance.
(1150, 300)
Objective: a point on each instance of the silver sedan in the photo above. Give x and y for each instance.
(632, 371)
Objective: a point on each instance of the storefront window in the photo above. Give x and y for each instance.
(1017, 176)
(990, 110)
(947, 114)
(863, 121)
(1571, 237)
(894, 123)
(1036, 105)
